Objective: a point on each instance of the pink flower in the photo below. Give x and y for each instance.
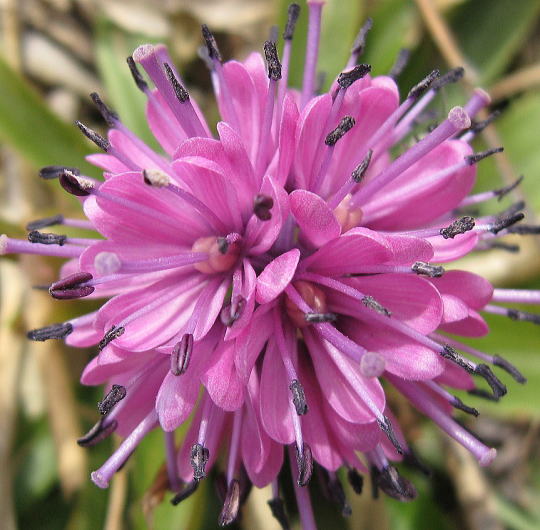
(286, 265)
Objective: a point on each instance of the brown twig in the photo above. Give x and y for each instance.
(117, 502)
(519, 81)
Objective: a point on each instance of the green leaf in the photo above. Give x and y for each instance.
(490, 32)
(33, 130)
(113, 45)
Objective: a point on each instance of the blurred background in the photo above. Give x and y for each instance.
(53, 53)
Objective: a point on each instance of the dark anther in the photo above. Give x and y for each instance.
(417, 90)
(345, 125)
(498, 388)
(46, 238)
(400, 63)
(358, 173)
(502, 246)
(373, 474)
(112, 334)
(337, 494)
(72, 287)
(355, 480)
(479, 126)
(452, 76)
(412, 460)
(502, 192)
(199, 458)
(512, 209)
(93, 136)
(516, 314)
(386, 426)
(277, 506)
(452, 355)
(474, 159)
(245, 485)
(394, 485)
(304, 461)
(54, 172)
(299, 397)
(223, 245)
(524, 230)
(426, 269)
(187, 491)
(76, 185)
(505, 222)
(108, 114)
(360, 41)
(45, 222)
(116, 394)
(346, 79)
(510, 368)
(54, 331)
(179, 91)
(229, 512)
(181, 355)
(272, 60)
(370, 302)
(456, 402)
(211, 45)
(228, 317)
(320, 318)
(484, 394)
(459, 226)
(292, 17)
(220, 484)
(142, 85)
(101, 430)
(262, 204)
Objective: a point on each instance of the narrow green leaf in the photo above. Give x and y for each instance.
(33, 130)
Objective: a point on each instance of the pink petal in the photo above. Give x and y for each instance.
(276, 276)
(474, 290)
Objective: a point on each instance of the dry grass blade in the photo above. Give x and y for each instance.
(520, 81)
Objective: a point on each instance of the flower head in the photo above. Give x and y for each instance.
(285, 265)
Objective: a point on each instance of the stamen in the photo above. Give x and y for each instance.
(189, 489)
(459, 226)
(112, 334)
(400, 63)
(180, 92)
(299, 397)
(320, 318)
(524, 230)
(211, 45)
(360, 170)
(54, 331)
(110, 117)
(156, 178)
(484, 394)
(426, 269)
(75, 184)
(360, 41)
(386, 426)
(452, 76)
(346, 79)
(116, 394)
(474, 159)
(312, 50)
(45, 222)
(272, 61)
(479, 126)
(487, 245)
(181, 355)
(142, 85)
(394, 485)
(72, 287)
(277, 506)
(338, 495)
(370, 302)
(262, 204)
(498, 388)
(45, 238)
(345, 125)
(412, 460)
(292, 17)
(99, 432)
(199, 458)
(510, 368)
(355, 480)
(513, 314)
(505, 222)
(93, 136)
(229, 314)
(304, 461)
(54, 172)
(456, 402)
(419, 89)
(229, 512)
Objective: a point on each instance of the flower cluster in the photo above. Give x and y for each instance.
(264, 280)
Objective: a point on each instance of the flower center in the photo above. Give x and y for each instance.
(313, 296)
(348, 217)
(222, 254)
